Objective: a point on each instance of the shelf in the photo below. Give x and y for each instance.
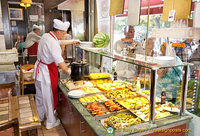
(139, 60)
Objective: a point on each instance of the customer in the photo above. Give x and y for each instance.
(124, 69)
(46, 72)
(32, 40)
(195, 59)
(169, 79)
(150, 47)
(184, 52)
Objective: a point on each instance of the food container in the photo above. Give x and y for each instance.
(79, 70)
(164, 60)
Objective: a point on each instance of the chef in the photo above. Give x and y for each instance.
(46, 72)
(32, 40)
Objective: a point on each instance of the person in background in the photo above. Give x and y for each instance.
(46, 72)
(184, 53)
(22, 46)
(32, 40)
(150, 52)
(195, 59)
(150, 47)
(169, 79)
(124, 69)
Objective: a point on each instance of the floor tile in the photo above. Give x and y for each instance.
(59, 127)
(56, 133)
(39, 130)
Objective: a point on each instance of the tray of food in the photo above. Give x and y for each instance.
(101, 81)
(122, 93)
(143, 112)
(93, 98)
(111, 86)
(133, 103)
(99, 76)
(77, 85)
(170, 107)
(91, 90)
(97, 109)
(120, 120)
(101, 108)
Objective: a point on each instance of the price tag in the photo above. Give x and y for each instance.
(171, 15)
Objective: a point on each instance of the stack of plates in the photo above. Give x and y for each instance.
(76, 94)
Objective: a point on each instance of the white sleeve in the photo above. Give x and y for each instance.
(31, 39)
(56, 54)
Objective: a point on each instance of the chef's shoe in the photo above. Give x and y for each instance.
(54, 125)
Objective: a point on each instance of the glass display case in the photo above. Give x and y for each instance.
(122, 105)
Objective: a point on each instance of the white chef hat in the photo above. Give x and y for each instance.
(36, 27)
(60, 25)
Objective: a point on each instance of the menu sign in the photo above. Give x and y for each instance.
(189, 33)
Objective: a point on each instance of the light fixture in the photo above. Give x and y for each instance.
(26, 3)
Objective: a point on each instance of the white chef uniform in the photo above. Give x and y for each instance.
(48, 51)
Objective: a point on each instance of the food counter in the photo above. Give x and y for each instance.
(117, 106)
(77, 120)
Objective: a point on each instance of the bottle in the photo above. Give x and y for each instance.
(115, 76)
(138, 85)
(163, 96)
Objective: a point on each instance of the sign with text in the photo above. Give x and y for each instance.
(188, 33)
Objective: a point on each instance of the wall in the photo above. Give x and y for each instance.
(50, 13)
(2, 39)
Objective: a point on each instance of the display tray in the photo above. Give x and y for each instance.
(133, 103)
(94, 76)
(171, 107)
(93, 98)
(121, 93)
(101, 108)
(143, 113)
(119, 120)
(91, 90)
(76, 85)
(100, 81)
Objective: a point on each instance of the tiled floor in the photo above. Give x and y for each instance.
(57, 131)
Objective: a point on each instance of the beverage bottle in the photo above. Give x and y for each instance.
(138, 85)
(163, 96)
(115, 76)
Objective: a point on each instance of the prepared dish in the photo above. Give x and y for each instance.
(123, 93)
(97, 109)
(77, 85)
(91, 90)
(94, 98)
(171, 107)
(133, 103)
(99, 75)
(101, 81)
(143, 113)
(121, 120)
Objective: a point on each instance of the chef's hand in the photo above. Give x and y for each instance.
(76, 42)
(68, 71)
(64, 67)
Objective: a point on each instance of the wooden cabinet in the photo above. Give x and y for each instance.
(72, 121)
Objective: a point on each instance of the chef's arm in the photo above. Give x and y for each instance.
(68, 42)
(64, 67)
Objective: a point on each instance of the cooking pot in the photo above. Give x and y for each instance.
(79, 70)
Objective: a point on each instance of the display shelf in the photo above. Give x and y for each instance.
(139, 60)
